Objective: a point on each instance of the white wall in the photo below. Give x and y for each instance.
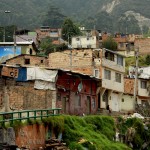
(84, 42)
(112, 84)
(128, 104)
(142, 92)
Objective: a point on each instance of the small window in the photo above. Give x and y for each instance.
(121, 44)
(122, 99)
(42, 61)
(120, 60)
(109, 56)
(77, 39)
(107, 74)
(118, 77)
(143, 84)
(93, 103)
(27, 61)
(88, 38)
(96, 73)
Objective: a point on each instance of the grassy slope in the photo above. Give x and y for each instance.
(97, 131)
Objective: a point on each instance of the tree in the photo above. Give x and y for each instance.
(54, 18)
(110, 43)
(69, 29)
(46, 46)
(147, 60)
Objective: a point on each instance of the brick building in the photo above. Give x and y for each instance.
(28, 60)
(143, 44)
(104, 64)
(76, 93)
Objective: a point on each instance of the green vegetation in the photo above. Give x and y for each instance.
(53, 18)
(46, 46)
(110, 43)
(92, 132)
(144, 60)
(69, 29)
(40, 13)
(134, 125)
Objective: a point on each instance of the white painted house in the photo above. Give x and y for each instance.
(84, 42)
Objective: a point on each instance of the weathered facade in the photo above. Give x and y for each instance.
(28, 60)
(76, 93)
(104, 64)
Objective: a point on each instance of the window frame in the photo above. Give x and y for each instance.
(143, 84)
(118, 77)
(107, 74)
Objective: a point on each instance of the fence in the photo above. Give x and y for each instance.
(28, 114)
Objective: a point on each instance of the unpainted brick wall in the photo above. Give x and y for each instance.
(24, 96)
(143, 44)
(34, 60)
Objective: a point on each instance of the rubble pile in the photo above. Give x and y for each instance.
(55, 144)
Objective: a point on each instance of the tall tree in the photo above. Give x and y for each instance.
(69, 29)
(54, 18)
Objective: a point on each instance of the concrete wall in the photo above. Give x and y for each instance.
(112, 84)
(141, 91)
(127, 103)
(84, 42)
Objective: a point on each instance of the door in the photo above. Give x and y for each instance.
(88, 105)
(64, 105)
(115, 102)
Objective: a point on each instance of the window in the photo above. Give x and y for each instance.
(93, 103)
(77, 39)
(88, 46)
(42, 61)
(79, 100)
(109, 56)
(121, 44)
(27, 61)
(118, 77)
(96, 73)
(58, 96)
(107, 74)
(122, 100)
(143, 84)
(120, 60)
(88, 38)
(30, 51)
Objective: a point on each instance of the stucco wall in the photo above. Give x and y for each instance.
(127, 103)
(112, 84)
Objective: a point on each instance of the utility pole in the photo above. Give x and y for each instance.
(15, 44)
(4, 34)
(136, 73)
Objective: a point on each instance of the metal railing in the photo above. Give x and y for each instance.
(28, 114)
